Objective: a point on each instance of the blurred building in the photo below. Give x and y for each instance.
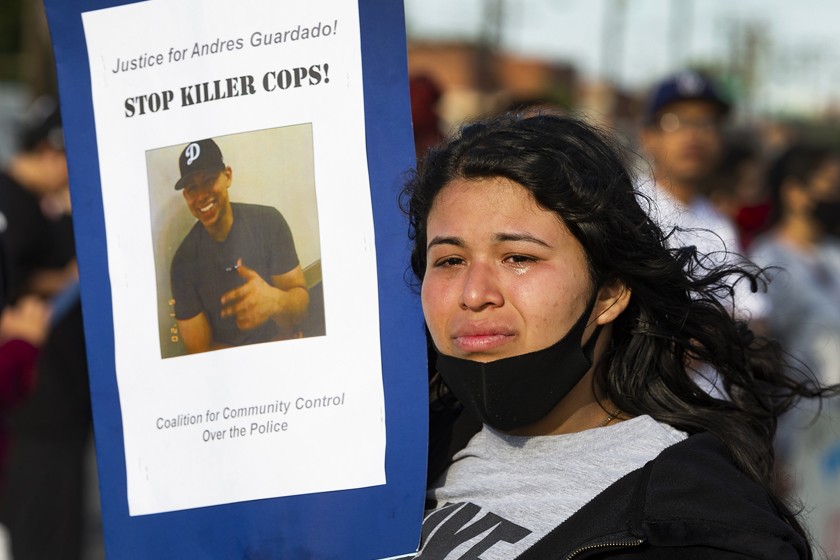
(476, 81)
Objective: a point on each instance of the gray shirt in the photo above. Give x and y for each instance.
(503, 493)
(804, 301)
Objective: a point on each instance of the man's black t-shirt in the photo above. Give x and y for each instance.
(203, 269)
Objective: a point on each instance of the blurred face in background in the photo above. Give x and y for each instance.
(825, 182)
(822, 206)
(51, 176)
(814, 203)
(685, 141)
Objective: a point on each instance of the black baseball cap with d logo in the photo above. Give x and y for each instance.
(201, 155)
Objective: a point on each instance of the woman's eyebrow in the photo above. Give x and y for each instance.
(444, 240)
(521, 237)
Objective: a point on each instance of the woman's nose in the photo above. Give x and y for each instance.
(482, 288)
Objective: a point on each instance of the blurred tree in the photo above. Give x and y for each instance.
(10, 43)
(38, 65)
(25, 49)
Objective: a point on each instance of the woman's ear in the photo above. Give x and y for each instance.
(612, 299)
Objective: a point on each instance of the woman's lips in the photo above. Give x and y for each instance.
(481, 342)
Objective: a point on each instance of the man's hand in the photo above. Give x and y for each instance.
(254, 302)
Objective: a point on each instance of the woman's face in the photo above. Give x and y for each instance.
(503, 276)
(825, 181)
(800, 200)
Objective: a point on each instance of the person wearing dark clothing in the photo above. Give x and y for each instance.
(44, 501)
(42, 506)
(255, 290)
(566, 418)
(23, 327)
(204, 269)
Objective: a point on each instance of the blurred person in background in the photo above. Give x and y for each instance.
(736, 190)
(682, 134)
(42, 505)
(34, 207)
(425, 119)
(804, 296)
(23, 328)
(804, 314)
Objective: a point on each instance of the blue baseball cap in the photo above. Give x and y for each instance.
(684, 86)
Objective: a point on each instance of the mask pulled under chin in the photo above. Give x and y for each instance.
(514, 392)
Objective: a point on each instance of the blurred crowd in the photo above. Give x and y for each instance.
(44, 398)
(751, 194)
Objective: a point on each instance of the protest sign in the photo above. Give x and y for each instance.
(257, 360)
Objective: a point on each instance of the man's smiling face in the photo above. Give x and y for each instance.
(207, 197)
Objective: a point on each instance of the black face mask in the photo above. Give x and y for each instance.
(827, 214)
(514, 392)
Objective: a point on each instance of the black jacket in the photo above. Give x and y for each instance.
(691, 502)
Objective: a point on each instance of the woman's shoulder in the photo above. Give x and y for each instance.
(692, 497)
(695, 489)
(702, 465)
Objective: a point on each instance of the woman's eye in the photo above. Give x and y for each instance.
(520, 259)
(449, 261)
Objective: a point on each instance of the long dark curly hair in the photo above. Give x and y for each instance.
(680, 311)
